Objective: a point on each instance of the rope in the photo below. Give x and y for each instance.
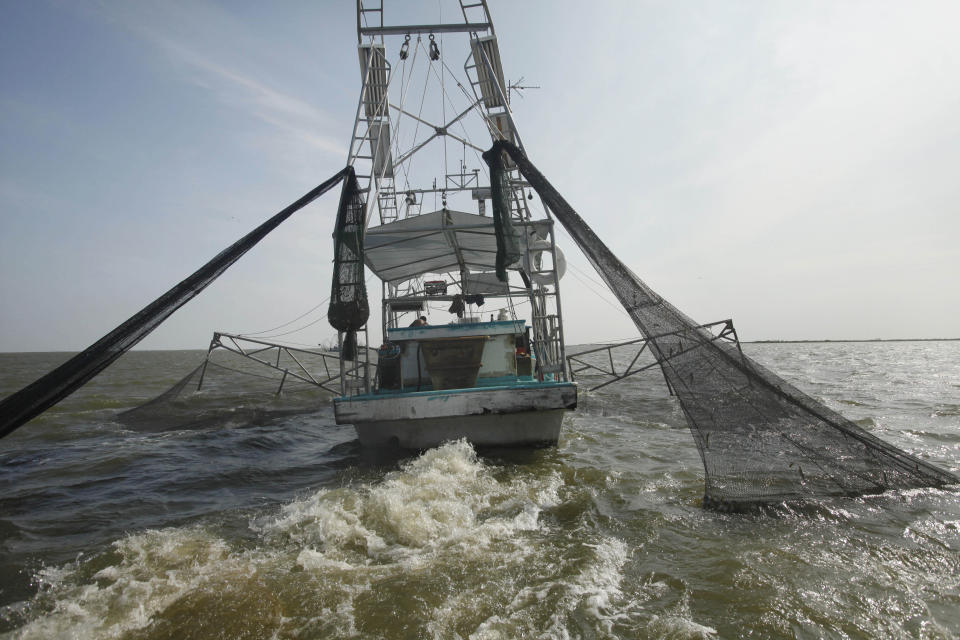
(256, 333)
(416, 129)
(309, 324)
(443, 112)
(476, 107)
(619, 308)
(405, 87)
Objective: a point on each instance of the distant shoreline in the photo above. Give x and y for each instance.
(853, 340)
(820, 341)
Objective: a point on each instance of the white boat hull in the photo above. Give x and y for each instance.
(522, 416)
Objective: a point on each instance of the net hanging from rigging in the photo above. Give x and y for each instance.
(508, 243)
(760, 438)
(37, 397)
(349, 308)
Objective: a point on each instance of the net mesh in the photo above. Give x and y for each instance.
(227, 390)
(508, 248)
(760, 438)
(349, 308)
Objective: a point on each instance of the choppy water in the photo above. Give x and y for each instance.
(270, 524)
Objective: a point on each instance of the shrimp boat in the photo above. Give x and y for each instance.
(471, 318)
(472, 345)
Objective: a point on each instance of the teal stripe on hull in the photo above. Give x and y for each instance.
(503, 386)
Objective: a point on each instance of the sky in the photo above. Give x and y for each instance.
(793, 166)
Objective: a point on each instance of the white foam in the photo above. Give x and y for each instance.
(599, 583)
(445, 497)
(678, 624)
(156, 568)
(678, 627)
(593, 592)
(442, 510)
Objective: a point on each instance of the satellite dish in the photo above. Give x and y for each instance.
(544, 279)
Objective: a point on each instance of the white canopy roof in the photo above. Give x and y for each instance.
(435, 242)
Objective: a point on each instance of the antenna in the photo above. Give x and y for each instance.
(518, 87)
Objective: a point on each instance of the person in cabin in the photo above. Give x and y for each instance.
(419, 322)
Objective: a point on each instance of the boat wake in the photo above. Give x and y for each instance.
(444, 546)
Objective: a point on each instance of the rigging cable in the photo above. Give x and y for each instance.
(289, 322)
(404, 89)
(416, 129)
(474, 105)
(594, 290)
(309, 324)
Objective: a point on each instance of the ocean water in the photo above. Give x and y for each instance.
(261, 518)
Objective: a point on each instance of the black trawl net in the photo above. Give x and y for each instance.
(37, 397)
(349, 309)
(227, 390)
(760, 438)
(508, 249)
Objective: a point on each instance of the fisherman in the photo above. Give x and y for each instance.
(419, 322)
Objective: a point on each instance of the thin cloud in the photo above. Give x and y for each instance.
(273, 107)
(234, 87)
